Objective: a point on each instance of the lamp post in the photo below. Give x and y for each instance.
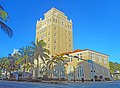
(74, 72)
(89, 61)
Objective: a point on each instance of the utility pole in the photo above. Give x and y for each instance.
(93, 72)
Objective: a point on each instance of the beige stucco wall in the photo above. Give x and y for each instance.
(100, 68)
(56, 30)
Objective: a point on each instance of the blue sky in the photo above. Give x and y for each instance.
(96, 24)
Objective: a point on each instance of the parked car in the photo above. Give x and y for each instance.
(19, 75)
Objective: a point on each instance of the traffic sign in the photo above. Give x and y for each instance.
(89, 61)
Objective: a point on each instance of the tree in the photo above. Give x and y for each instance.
(11, 63)
(25, 54)
(4, 17)
(114, 67)
(17, 62)
(58, 63)
(4, 64)
(40, 52)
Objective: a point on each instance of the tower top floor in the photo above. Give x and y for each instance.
(54, 13)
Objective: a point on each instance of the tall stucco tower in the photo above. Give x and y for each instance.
(56, 30)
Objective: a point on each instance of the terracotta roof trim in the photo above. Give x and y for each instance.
(78, 50)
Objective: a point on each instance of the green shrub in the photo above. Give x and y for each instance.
(107, 79)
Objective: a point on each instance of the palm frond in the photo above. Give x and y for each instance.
(42, 59)
(46, 56)
(3, 15)
(46, 50)
(1, 8)
(42, 43)
(6, 29)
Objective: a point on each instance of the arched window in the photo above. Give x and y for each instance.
(70, 69)
(62, 73)
(70, 72)
(80, 71)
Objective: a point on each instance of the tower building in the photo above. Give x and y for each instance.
(56, 30)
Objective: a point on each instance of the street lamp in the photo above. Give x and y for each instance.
(74, 72)
(89, 61)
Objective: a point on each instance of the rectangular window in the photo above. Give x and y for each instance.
(92, 56)
(70, 58)
(54, 34)
(105, 60)
(99, 58)
(80, 56)
(54, 28)
(55, 41)
(54, 47)
(49, 33)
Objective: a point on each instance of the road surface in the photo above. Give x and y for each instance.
(13, 84)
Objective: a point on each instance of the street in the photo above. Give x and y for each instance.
(12, 84)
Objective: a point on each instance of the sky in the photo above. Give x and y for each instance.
(96, 24)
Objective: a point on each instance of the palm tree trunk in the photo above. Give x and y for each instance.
(37, 70)
(23, 72)
(6, 74)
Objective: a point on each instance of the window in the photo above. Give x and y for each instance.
(56, 20)
(70, 69)
(55, 41)
(70, 72)
(62, 23)
(54, 47)
(105, 60)
(54, 34)
(70, 58)
(80, 71)
(92, 56)
(80, 56)
(95, 68)
(99, 58)
(54, 28)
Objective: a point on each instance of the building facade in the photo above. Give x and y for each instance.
(82, 68)
(56, 30)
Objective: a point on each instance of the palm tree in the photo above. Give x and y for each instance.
(11, 63)
(4, 64)
(40, 52)
(17, 61)
(4, 27)
(25, 53)
(58, 65)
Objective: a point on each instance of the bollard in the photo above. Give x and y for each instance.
(82, 79)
